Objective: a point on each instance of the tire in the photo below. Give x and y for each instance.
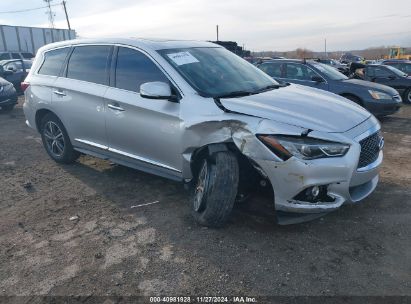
(56, 140)
(215, 189)
(8, 108)
(407, 96)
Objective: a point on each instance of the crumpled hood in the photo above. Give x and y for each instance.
(371, 86)
(303, 107)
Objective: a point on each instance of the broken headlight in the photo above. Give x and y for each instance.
(303, 147)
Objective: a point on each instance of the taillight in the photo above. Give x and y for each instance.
(24, 85)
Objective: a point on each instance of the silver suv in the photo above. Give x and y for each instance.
(194, 112)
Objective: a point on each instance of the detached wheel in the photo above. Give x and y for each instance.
(56, 141)
(407, 96)
(215, 190)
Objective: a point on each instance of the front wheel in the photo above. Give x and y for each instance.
(215, 190)
(407, 96)
(56, 140)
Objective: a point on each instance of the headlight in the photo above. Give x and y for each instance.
(303, 147)
(379, 95)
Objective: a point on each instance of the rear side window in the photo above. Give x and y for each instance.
(4, 56)
(53, 62)
(134, 68)
(272, 69)
(89, 63)
(27, 55)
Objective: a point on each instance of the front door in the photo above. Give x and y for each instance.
(141, 130)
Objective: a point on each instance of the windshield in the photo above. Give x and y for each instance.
(396, 71)
(216, 72)
(330, 72)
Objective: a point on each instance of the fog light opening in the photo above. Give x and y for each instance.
(314, 194)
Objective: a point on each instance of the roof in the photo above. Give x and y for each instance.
(145, 43)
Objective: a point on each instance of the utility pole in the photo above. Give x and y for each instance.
(65, 11)
(50, 13)
(217, 32)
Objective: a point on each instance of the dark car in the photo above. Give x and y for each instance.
(342, 67)
(402, 65)
(378, 99)
(8, 95)
(390, 76)
(349, 58)
(15, 71)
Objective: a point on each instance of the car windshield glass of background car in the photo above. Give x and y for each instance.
(216, 72)
(330, 72)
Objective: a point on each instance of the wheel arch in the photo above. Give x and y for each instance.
(39, 116)
(354, 96)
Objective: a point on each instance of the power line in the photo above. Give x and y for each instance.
(29, 9)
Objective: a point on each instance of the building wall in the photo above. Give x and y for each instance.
(30, 39)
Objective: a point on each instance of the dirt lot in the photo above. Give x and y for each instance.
(113, 249)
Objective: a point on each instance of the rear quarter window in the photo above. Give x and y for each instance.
(53, 62)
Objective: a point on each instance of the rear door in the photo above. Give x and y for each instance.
(146, 131)
(78, 96)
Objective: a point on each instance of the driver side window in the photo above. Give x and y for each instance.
(299, 72)
(134, 68)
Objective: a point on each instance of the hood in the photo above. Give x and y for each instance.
(303, 107)
(370, 86)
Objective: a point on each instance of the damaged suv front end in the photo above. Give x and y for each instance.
(317, 150)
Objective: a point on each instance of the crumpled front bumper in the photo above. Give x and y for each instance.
(343, 182)
(340, 176)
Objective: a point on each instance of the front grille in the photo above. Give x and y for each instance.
(370, 149)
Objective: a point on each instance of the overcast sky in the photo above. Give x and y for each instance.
(259, 24)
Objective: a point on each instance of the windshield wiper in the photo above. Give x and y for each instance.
(235, 94)
(268, 88)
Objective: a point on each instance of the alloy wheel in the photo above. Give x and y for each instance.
(54, 139)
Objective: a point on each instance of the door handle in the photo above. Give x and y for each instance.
(115, 106)
(60, 93)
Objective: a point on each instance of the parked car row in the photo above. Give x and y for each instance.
(197, 113)
(378, 99)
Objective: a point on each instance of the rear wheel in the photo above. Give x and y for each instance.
(56, 141)
(407, 96)
(215, 190)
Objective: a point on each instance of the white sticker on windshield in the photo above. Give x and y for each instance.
(182, 58)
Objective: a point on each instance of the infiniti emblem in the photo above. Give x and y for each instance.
(381, 143)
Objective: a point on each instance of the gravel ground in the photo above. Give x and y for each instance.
(70, 230)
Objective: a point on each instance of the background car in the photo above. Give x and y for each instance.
(390, 76)
(16, 55)
(378, 99)
(15, 71)
(342, 67)
(402, 65)
(8, 96)
(348, 58)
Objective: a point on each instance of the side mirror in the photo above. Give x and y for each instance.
(317, 78)
(155, 90)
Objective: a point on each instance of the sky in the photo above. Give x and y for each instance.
(263, 25)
